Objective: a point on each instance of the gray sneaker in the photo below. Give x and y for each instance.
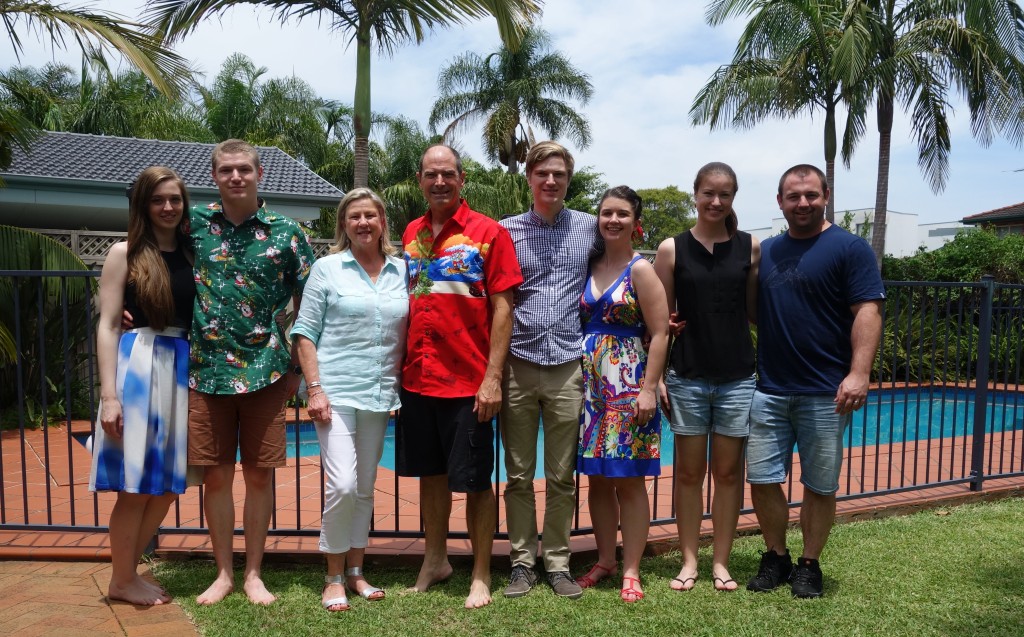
(564, 585)
(522, 580)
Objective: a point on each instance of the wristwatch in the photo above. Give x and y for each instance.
(297, 370)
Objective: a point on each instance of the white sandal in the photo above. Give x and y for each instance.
(337, 601)
(368, 592)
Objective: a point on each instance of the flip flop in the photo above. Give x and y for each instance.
(631, 586)
(336, 601)
(721, 585)
(682, 584)
(370, 593)
(595, 575)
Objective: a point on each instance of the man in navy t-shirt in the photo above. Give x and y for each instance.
(818, 326)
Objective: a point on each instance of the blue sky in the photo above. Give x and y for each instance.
(647, 59)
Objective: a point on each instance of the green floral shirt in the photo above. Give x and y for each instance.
(244, 276)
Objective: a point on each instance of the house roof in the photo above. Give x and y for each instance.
(80, 157)
(1013, 212)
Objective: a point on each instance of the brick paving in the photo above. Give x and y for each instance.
(60, 599)
(45, 479)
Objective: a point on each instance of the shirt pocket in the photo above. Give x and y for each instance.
(396, 305)
(353, 304)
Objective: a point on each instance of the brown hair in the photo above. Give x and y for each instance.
(802, 170)
(455, 153)
(627, 194)
(147, 270)
(232, 146)
(718, 168)
(545, 150)
(341, 240)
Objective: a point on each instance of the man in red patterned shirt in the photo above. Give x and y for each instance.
(462, 275)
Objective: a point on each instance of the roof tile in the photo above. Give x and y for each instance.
(120, 159)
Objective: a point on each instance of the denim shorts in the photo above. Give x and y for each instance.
(700, 407)
(811, 422)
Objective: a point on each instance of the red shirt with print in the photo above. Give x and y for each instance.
(451, 279)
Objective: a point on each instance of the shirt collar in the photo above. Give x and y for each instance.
(262, 214)
(348, 257)
(460, 217)
(539, 220)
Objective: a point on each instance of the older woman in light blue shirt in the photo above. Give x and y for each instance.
(350, 332)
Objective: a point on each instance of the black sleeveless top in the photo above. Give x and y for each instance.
(183, 291)
(711, 296)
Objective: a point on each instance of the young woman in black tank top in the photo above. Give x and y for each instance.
(140, 443)
(710, 276)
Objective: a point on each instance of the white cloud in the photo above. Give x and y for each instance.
(647, 59)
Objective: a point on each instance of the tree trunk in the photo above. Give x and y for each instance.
(830, 161)
(361, 110)
(885, 111)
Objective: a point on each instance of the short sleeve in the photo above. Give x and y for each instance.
(501, 267)
(310, 320)
(863, 279)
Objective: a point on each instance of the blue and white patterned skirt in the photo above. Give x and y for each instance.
(152, 383)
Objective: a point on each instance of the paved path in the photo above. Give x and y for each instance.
(69, 598)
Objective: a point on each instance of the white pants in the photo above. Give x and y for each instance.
(350, 448)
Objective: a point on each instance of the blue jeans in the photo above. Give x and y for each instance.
(811, 422)
(701, 407)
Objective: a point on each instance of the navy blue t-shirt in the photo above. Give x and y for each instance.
(806, 288)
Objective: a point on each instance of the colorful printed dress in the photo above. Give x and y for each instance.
(612, 443)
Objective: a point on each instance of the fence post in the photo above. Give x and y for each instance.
(981, 383)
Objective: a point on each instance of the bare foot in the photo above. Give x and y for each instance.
(137, 594)
(429, 576)
(221, 588)
(334, 591)
(257, 592)
(686, 580)
(154, 587)
(479, 594)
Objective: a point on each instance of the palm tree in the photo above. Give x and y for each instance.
(384, 23)
(95, 33)
(782, 67)
(914, 54)
(509, 87)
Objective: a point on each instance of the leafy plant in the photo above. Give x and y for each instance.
(45, 324)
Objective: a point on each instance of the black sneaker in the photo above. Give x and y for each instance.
(774, 572)
(806, 578)
(522, 580)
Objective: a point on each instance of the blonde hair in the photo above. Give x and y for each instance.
(232, 146)
(146, 268)
(341, 240)
(545, 150)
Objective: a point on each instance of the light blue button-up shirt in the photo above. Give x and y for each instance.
(359, 329)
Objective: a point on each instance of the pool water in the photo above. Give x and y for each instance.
(891, 416)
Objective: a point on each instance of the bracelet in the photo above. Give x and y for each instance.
(315, 383)
(319, 393)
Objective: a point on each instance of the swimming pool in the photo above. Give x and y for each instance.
(891, 416)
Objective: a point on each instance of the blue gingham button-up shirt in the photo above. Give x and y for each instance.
(553, 258)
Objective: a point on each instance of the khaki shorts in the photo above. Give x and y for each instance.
(221, 425)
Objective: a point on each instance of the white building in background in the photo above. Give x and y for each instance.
(904, 236)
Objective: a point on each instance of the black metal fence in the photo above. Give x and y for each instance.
(945, 409)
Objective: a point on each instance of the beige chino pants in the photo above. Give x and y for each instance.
(555, 393)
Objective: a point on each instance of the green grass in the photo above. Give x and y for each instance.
(956, 571)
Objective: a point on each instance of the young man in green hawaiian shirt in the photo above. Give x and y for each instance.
(249, 262)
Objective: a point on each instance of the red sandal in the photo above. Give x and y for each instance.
(595, 575)
(631, 586)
